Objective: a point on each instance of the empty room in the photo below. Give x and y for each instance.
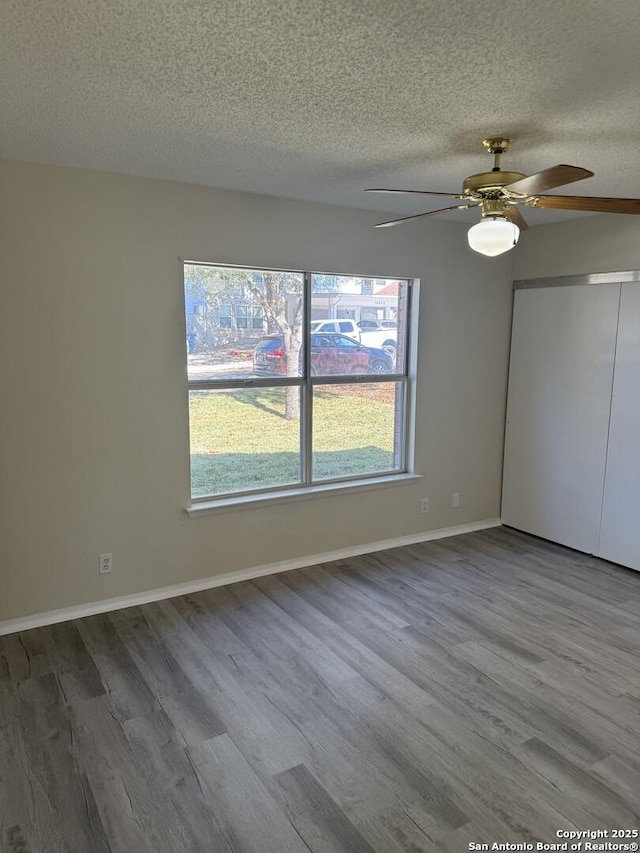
(319, 418)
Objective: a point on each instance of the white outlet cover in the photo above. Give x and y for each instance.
(106, 564)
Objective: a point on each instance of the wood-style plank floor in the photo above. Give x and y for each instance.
(475, 689)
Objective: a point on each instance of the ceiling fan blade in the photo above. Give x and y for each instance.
(548, 179)
(514, 215)
(416, 192)
(429, 213)
(591, 203)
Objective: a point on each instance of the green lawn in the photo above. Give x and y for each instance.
(241, 440)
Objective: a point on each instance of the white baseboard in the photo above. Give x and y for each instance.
(11, 626)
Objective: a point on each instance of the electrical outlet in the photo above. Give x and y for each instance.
(455, 500)
(106, 564)
(424, 505)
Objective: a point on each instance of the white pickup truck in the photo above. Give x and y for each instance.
(386, 339)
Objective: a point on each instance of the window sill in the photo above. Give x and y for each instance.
(300, 493)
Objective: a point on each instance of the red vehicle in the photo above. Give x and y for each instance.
(331, 355)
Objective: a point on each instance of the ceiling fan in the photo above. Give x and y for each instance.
(499, 193)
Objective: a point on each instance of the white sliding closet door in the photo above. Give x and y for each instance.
(560, 381)
(620, 531)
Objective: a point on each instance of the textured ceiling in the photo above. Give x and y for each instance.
(318, 99)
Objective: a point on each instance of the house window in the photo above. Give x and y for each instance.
(225, 316)
(242, 317)
(257, 318)
(294, 406)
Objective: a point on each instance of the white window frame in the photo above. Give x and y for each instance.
(307, 487)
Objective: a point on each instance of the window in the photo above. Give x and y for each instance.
(257, 317)
(278, 400)
(225, 316)
(242, 317)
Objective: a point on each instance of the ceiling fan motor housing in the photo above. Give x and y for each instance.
(488, 183)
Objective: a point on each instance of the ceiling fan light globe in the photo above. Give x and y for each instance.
(493, 236)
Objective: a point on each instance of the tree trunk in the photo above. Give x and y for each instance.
(292, 403)
(278, 313)
(271, 298)
(292, 346)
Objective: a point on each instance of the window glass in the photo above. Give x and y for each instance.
(357, 429)
(257, 317)
(381, 300)
(242, 317)
(221, 343)
(242, 439)
(225, 316)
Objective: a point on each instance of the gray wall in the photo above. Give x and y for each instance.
(604, 243)
(93, 412)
